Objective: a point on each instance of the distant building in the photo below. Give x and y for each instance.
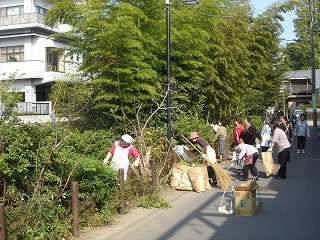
(298, 87)
(27, 49)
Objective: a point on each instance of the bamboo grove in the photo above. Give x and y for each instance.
(224, 55)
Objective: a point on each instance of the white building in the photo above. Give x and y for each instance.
(27, 48)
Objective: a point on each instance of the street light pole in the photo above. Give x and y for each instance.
(313, 71)
(168, 72)
(168, 64)
(284, 103)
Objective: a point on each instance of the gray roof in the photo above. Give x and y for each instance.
(302, 74)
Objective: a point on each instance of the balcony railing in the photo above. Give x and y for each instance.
(34, 108)
(22, 19)
(298, 89)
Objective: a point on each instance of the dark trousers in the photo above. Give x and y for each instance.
(282, 159)
(212, 176)
(301, 142)
(252, 167)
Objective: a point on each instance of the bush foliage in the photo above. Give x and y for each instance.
(39, 162)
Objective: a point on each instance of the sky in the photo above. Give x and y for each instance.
(287, 24)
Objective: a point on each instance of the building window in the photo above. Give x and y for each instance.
(11, 11)
(41, 10)
(12, 54)
(55, 60)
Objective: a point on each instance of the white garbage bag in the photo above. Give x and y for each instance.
(180, 150)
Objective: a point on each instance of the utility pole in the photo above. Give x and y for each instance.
(168, 72)
(313, 71)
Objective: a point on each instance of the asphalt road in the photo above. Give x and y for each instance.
(291, 210)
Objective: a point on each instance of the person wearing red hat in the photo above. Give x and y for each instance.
(208, 154)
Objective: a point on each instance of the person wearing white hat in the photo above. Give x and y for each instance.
(121, 150)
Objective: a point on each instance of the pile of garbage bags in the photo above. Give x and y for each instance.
(189, 178)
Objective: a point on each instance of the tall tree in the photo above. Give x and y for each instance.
(218, 52)
(298, 53)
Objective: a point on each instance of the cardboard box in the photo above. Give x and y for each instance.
(245, 201)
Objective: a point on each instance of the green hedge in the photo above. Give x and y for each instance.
(37, 161)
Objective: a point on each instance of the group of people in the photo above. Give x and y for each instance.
(247, 141)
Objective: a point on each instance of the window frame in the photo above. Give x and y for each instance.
(4, 12)
(54, 56)
(11, 51)
(41, 10)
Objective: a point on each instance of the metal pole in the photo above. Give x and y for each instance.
(313, 71)
(75, 210)
(168, 72)
(121, 176)
(284, 103)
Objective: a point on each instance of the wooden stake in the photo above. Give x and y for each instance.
(225, 154)
(2, 222)
(4, 190)
(121, 176)
(75, 210)
(154, 176)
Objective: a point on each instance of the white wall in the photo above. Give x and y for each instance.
(29, 6)
(9, 42)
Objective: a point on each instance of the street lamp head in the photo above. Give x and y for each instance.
(191, 1)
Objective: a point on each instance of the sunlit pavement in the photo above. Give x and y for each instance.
(291, 210)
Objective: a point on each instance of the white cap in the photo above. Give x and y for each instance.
(127, 138)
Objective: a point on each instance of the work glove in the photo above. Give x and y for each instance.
(186, 148)
(204, 155)
(269, 150)
(257, 146)
(136, 163)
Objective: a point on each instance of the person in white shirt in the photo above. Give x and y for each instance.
(279, 138)
(250, 153)
(214, 126)
(266, 136)
(121, 150)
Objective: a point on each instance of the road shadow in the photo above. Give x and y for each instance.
(291, 208)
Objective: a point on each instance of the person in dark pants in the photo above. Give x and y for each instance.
(285, 126)
(251, 155)
(280, 139)
(301, 131)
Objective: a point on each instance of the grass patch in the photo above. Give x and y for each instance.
(154, 201)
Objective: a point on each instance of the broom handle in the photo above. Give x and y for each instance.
(192, 144)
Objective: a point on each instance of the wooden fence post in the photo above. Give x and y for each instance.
(121, 177)
(226, 150)
(2, 222)
(75, 210)
(154, 176)
(4, 190)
